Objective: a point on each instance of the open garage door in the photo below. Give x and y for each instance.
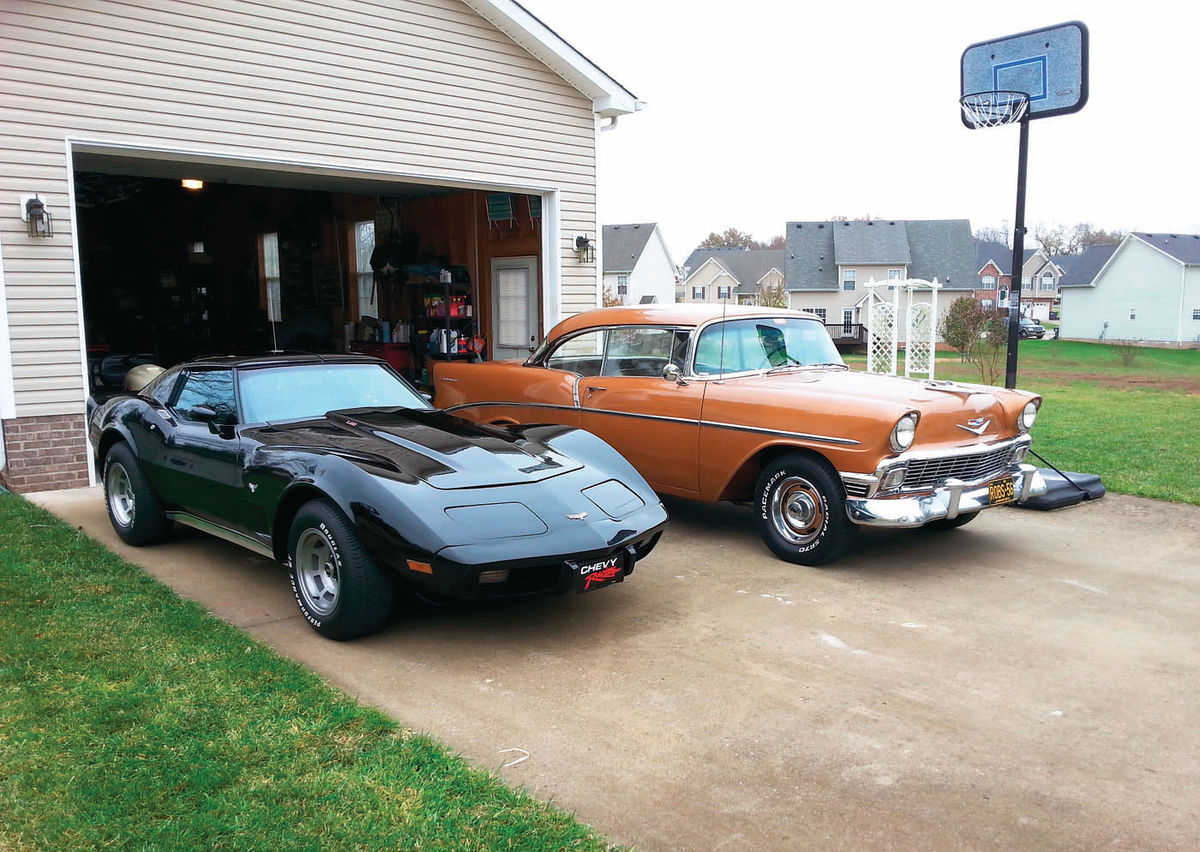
(183, 259)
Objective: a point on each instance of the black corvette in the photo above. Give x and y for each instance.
(338, 468)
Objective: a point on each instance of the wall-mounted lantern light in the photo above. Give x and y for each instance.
(586, 248)
(37, 218)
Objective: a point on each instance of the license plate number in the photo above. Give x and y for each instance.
(1001, 491)
(600, 573)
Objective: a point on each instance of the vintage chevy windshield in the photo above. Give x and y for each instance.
(306, 391)
(763, 343)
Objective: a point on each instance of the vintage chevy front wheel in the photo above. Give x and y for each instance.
(801, 511)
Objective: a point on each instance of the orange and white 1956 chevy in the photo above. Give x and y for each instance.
(756, 404)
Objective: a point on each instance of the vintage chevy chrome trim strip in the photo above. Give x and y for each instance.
(189, 520)
(824, 439)
(804, 436)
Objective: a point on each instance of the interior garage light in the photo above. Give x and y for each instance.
(192, 183)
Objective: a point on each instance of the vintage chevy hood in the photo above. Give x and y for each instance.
(864, 406)
(445, 451)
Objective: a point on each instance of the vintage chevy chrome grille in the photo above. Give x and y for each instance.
(927, 474)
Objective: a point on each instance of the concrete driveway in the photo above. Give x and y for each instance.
(1031, 681)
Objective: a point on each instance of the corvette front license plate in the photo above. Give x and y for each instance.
(600, 573)
(1001, 491)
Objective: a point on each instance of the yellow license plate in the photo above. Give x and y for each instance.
(1001, 491)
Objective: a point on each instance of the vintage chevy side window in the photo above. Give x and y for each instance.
(643, 351)
(582, 354)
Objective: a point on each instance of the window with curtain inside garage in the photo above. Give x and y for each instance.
(268, 276)
(364, 244)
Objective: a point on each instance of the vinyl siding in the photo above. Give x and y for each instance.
(421, 88)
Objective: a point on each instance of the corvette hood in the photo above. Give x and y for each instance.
(445, 451)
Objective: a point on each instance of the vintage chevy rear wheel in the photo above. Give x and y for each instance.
(801, 510)
(134, 509)
(337, 586)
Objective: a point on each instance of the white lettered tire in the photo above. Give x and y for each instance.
(801, 509)
(337, 585)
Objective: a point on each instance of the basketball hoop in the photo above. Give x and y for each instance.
(994, 109)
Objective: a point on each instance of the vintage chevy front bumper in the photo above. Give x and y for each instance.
(949, 500)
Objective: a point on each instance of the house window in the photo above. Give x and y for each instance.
(987, 303)
(1196, 313)
(847, 320)
(848, 278)
(622, 285)
(894, 274)
(1026, 283)
(268, 276)
(364, 245)
(818, 311)
(1047, 282)
(1132, 314)
(723, 291)
(989, 282)
(698, 294)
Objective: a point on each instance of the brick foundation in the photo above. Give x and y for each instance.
(45, 453)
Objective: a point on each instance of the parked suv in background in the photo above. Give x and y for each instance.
(1031, 328)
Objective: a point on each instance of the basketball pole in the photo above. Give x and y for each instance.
(1018, 259)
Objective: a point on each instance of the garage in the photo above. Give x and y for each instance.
(244, 261)
(414, 180)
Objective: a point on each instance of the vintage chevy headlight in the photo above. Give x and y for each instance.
(1028, 416)
(904, 431)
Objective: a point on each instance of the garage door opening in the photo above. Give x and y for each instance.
(238, 264)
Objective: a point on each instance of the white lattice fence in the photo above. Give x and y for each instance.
(881, 344)
(919, 341)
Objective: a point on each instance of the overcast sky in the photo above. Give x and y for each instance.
(760, 112)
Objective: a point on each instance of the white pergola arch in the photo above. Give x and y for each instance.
(919, 306)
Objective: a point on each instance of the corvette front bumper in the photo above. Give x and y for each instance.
(951, 499)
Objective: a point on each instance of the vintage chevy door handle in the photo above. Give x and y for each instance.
(595, 388)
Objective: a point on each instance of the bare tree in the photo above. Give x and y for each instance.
(773, 294)
(732, 238)
(994, 234)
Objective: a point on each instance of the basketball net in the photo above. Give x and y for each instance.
(994, 109)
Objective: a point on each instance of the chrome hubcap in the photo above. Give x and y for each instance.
(120, 495)
(317, 571)
(796, 510)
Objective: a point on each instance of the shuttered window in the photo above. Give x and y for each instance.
(512, 307)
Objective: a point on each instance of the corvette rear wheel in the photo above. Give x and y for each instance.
(337, 586)
(801, 511)
(134, 509)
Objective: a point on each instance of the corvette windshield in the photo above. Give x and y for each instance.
(306, 391)
(764, 343)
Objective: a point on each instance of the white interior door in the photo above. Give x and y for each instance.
(514, 307)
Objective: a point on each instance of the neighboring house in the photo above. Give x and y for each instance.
(1147, 289)
(829, 264)
(734, 275)
(461, 133)
(1040, 275)
(637, 264)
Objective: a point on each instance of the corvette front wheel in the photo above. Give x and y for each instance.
(337, 586)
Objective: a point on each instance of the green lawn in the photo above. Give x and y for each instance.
(130, 719)
(1133, 424)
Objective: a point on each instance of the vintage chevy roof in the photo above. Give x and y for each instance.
(682, 314)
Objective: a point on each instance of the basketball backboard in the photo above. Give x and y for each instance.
(1050, 65)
